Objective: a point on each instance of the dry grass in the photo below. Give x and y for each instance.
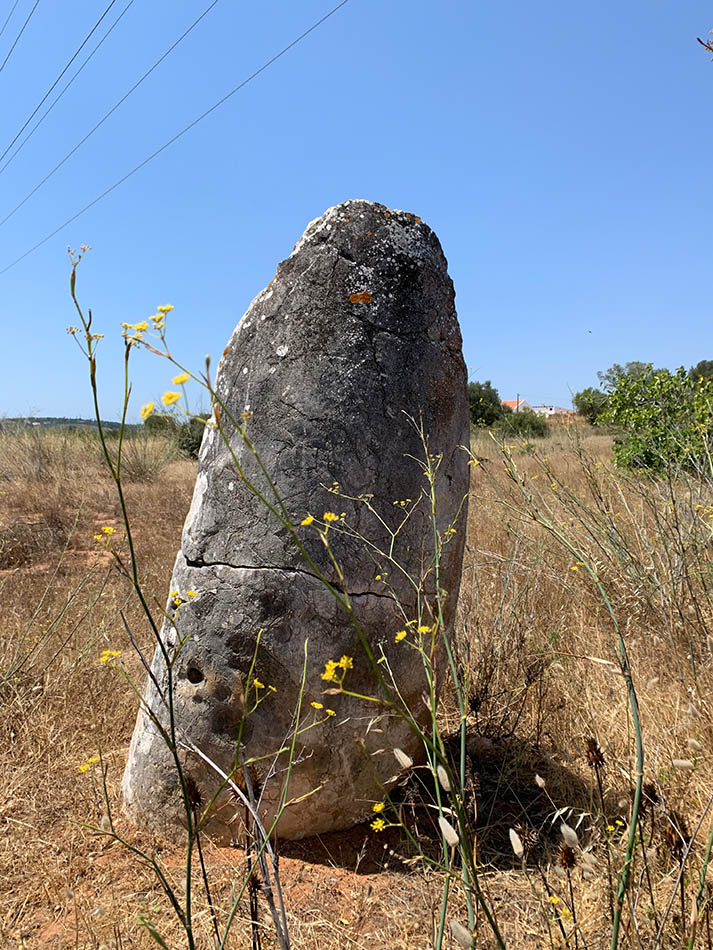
(534, 639)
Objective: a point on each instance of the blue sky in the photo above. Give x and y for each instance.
(561, 152)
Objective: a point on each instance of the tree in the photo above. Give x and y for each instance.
(702, 369)
(485, 405)
(590, 403)
(665, 420)
(634, 370)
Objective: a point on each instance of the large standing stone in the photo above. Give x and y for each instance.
(356, 333)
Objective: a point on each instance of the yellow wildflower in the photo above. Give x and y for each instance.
(329, 516)
(191, 593)
(181, 379)
(553, 899)
(378, 824)
(330, 712)
(329, 671)
(84, 767)
(168, 399)
(107, 529)
(402, 634)
(317, 705)
(106, 655)
(93, 759)
(258, 685)
(147, 410)
(166, 308)
(346, 663)
(379, 806)
(141, 326)
(424, 629)
(98, 537)
(308, 520)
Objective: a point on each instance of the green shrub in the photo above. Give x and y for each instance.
(663, 419)
(525, 423)
(162, 423)
(191, 435)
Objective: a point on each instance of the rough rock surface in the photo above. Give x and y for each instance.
(357, 332)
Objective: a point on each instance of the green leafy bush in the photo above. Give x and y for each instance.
(163, 423)
(663, 419)
(525, 423)
(191, 435)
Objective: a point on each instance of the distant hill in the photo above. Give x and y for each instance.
(65, 422)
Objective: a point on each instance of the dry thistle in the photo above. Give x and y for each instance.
(528, 837)
(192, 792)
(566, 857)
(595, 756)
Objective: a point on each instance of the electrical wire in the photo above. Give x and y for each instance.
(178, 135)
(66, 87)
(51, 88)
(17, 38)
(110, 112)
(8, 17)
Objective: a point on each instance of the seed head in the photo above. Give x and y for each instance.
(528, 836)
(595, 756)
(405, 761)
(516, 843)
(567, 858)
(569, 835)
(443, 778)
(462, 936)
(448, 832)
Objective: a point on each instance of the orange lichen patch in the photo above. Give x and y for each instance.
(225, 351)
(369, 233)
(363, 297)
(347, 219)
(387, 214)
(409, 216)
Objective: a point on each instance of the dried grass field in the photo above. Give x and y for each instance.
(550, 731)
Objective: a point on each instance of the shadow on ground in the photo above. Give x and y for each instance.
(501, 793)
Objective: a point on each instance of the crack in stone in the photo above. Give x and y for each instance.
(285, 570)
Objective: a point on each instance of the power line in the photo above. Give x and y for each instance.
(66, 87)
(8, 17)
(51, 88)
(109, 113)
(178, 135)
(17, 38)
